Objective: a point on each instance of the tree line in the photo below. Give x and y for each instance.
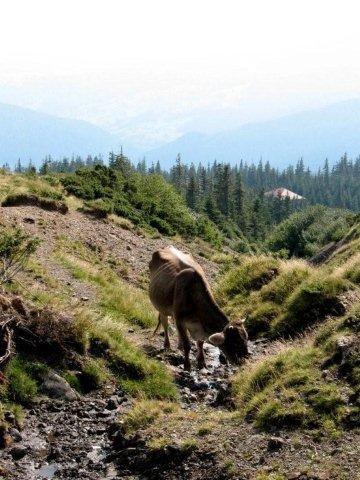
(233, 196)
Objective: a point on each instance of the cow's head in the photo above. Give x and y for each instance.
(232, 341)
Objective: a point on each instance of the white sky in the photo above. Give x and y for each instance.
(158, 68)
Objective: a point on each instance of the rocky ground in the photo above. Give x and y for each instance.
(80, 438)
(72, 436)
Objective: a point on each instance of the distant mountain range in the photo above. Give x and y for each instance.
(29, 134)
(314, 135)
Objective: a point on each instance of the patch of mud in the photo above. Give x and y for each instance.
(66, 440)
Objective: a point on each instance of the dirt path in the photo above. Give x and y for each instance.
(132, 252)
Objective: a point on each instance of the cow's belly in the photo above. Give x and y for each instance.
(196, 330)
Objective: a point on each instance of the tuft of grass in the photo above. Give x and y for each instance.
(136, 373)
(292, 274)
(144, 413)
(122, 222)
(19, 199)
(22, 388)
(251, 275)
(311, 302)
(287, 391)
(94, 374)
(205, 429)
(259, 320)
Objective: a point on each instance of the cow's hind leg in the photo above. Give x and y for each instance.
(182, 303)
(165, 323)
(200, 357)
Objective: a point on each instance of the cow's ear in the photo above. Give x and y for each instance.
(217, 339)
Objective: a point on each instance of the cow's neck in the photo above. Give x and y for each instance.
(215, 320)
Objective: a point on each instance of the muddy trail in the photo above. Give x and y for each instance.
(79, 439)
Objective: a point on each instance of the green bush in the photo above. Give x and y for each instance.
(306, 231)
(146, 200)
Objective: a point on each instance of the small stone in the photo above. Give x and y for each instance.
(85, 299)
(15, 434)
(112, 403)
(128, 247)
(18, 452)
(275, 443)
(28, 220)
(131, 330)
(57, 387)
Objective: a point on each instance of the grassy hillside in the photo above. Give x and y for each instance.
(305, 389)
(74, 290)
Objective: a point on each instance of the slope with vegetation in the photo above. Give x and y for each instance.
(292, 404)
(74, 292)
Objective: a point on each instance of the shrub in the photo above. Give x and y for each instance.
(146, 200)
(306, 231)
(15, 249)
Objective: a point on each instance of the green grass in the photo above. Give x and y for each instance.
(291, 275)
(144, 413)
(312, 301)
(280, 298)
(237, 283)
(29, 184)
(287, 391)
(116, 298)
(22, 387)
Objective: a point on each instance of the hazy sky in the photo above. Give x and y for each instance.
(152, 70)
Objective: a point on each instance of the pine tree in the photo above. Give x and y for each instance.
(18, 167)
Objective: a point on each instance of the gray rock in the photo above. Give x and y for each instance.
(15, 434)
(57, 387)
(18, 452)
(112, 403)
(275, 443)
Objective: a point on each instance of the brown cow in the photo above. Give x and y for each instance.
(178, 288)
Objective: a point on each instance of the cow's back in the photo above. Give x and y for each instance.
(165, 265)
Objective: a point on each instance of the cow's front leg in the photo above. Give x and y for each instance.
(200, 357)
(185, 342)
